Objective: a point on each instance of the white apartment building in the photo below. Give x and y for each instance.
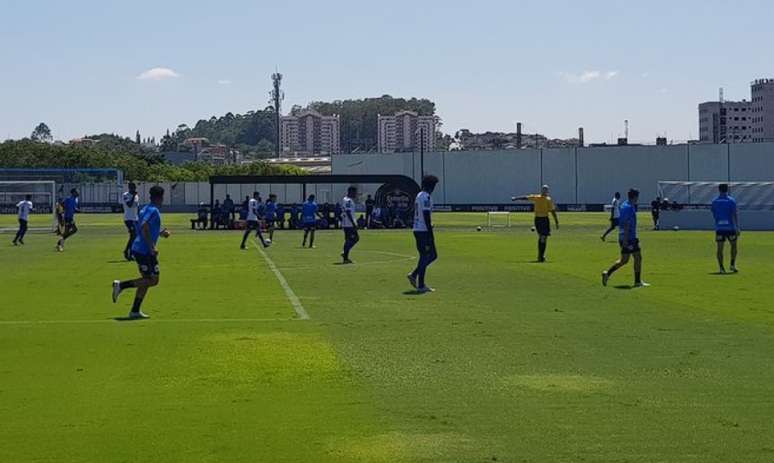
(405, 131)
(309, 133)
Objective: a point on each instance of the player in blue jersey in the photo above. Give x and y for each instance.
(726, 217)
(309, 219)
(270, 215)
(145, 253)
(630, 243)
(70, 208)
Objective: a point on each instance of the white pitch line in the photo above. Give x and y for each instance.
(294, 301)
(152, 320)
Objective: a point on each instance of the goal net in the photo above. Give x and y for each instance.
(688, 204)
(43, 197)
(498, 219)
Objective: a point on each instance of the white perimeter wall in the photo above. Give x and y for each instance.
(576, 176)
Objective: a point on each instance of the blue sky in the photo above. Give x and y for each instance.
(553, 64)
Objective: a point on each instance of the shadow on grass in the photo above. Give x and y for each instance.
(128, 319)
(624, 287)
(414, 292)
(119, 262)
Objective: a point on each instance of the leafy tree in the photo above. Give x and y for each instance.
(42, 133)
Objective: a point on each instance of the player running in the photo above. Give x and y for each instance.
(70, 206)
(348, 223)
(423, 234)
(309, 219)
(252, 221)
(543, 206)
(615, 214)
(130, 202)
(145, 253)
(630, 244)
(726, 217)
(24, 207)
(270, 215)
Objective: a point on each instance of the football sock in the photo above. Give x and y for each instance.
(126, 284)
(137, 304)
(637, 277)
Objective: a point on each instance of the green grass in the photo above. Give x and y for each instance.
(508, 361)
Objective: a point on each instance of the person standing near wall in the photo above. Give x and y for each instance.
(615, 214)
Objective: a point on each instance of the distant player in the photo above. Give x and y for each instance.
(70, 206)
(145, 253)
(130, 202)
(59, 213)
(270, 215)
(348, 223)
(543, 206)
(309, 220)
(655, 212)
(252, 221)
(615, 214)
(630, 244)
(423, 234)
(726, 217)
(24, 207)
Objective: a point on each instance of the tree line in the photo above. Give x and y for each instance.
(135, 164)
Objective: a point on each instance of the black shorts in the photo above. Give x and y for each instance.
(252, 225)
(425, 243)
(270, 223)
(69, 222)
(614, 222)
(147, 264)
(350, 234)
(543, 226)
(131, 226)
(310, 226)
(721, 236)
(633, 249)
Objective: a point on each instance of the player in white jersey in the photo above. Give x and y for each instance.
(130, 201)
(24, 207)
(253, 213)
(348, 223)
(615, 214)
(423, 234)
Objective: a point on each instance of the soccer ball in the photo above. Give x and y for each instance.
(479, 229)
(532, 229)
(676, 228)
(267, 241)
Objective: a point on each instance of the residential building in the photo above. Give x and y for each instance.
(309, 133)
(405, 131)
(762, 110)
(726, 122)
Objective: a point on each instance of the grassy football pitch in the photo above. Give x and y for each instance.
(508, 361)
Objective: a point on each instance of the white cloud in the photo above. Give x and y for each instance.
(224, 82)
(158, 74)
(588, 76)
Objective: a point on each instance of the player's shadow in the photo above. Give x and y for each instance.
(720, 274)
(624, 287)
(128, 319)
(413, 292)
(116, 261)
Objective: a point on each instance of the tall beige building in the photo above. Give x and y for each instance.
(404, 132)
(309, 133)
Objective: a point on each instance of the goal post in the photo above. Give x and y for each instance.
(43, 197)
(498, 219)
(687, 204)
